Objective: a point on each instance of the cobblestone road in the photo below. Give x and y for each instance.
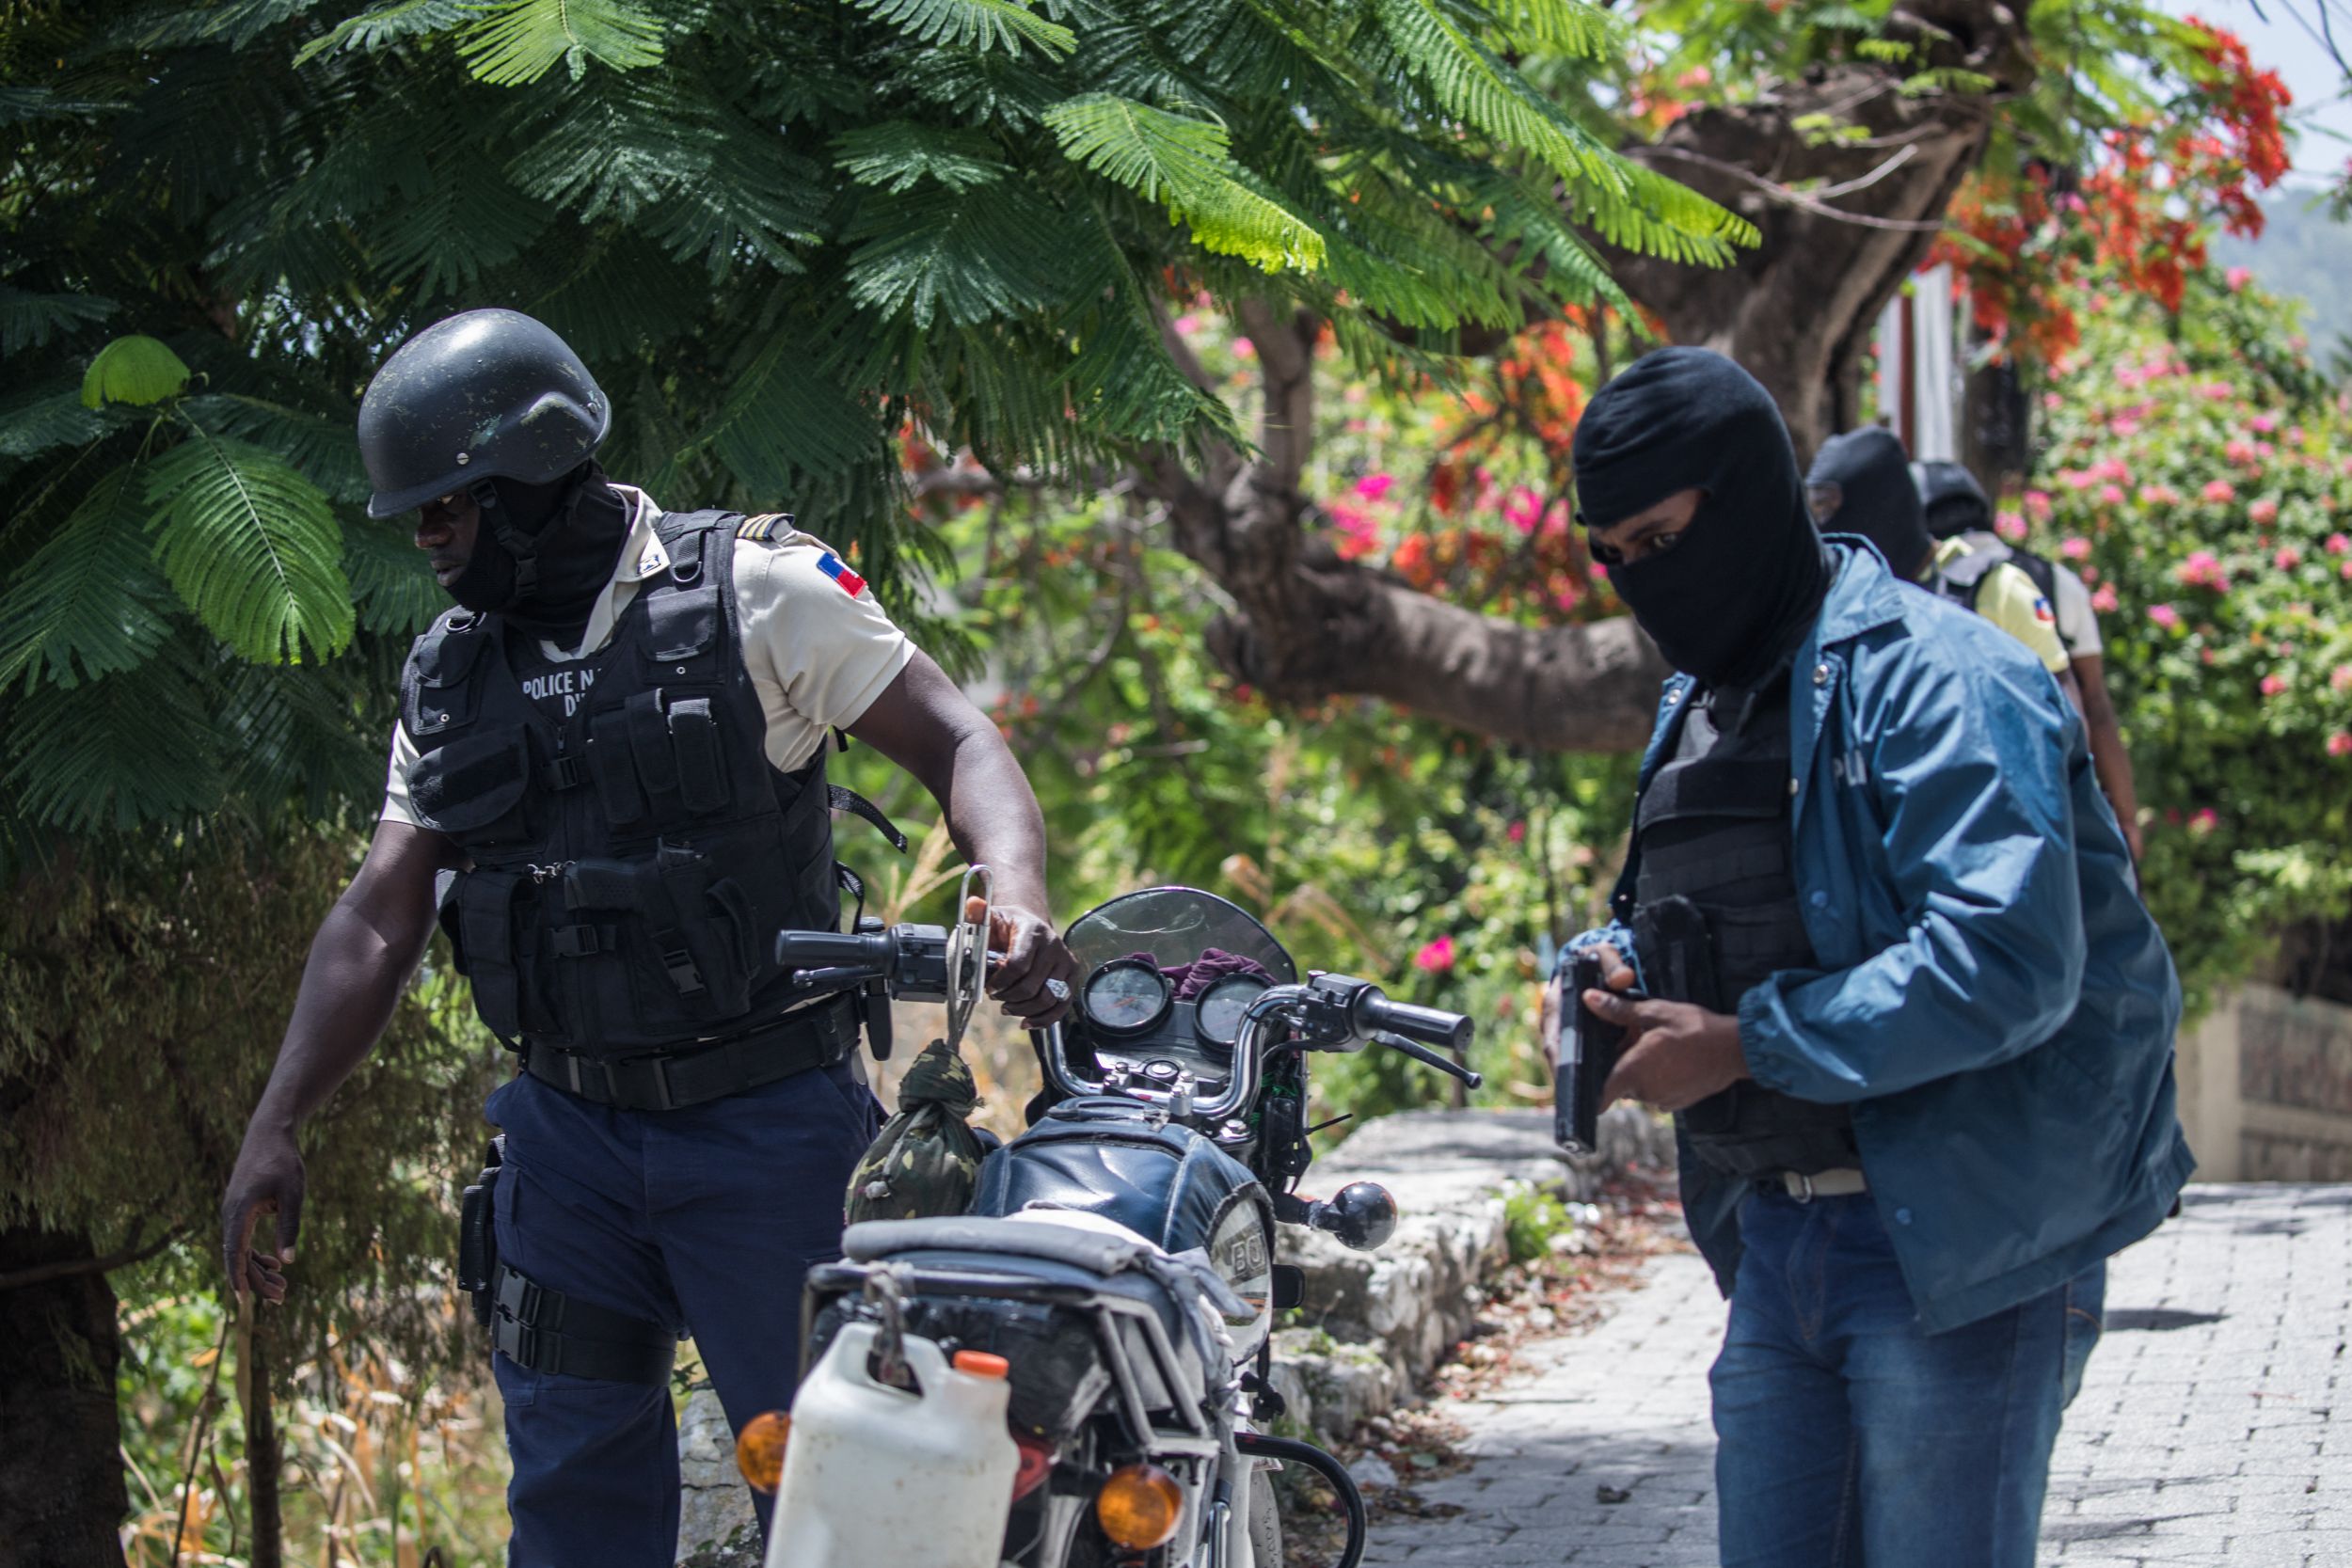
(2201, 1435)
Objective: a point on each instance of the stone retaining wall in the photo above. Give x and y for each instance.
(2266, 1088)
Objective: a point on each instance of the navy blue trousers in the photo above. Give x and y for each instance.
(707, 1219)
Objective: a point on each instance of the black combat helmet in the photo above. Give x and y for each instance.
(1955, 504)
(479, 395)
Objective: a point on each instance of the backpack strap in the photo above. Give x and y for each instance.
(1963, 579)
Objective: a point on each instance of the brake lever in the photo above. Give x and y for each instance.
(1421, 1054)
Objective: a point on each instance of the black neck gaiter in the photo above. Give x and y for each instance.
(1742, 585)
(574, 528)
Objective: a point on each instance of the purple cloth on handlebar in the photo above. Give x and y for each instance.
(1214, 964)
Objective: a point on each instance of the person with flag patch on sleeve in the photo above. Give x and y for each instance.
(608, 788)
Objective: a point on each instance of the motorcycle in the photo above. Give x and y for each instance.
(1113, 1289)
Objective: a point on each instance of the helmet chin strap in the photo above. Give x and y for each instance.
(522, 547)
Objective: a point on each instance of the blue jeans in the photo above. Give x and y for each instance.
(705, 1218)
(1845, 1436)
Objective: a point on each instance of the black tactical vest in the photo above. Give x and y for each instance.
(1715, 912)
(632, 862)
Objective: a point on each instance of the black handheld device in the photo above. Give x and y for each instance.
(1589, 1046)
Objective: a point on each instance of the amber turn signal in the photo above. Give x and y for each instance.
(759, 1449)
(1140, 1507)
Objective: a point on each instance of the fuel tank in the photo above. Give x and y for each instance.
(1113, 1157)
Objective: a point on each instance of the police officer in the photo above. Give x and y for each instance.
(607, 783)
(1914, 1022)
(1956, 508)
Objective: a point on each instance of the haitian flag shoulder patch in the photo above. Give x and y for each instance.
(837, 569)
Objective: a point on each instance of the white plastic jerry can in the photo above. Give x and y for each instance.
(875, 1476)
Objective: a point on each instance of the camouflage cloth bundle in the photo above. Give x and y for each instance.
(926, 1159)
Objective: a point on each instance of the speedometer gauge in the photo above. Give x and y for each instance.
(1126, 996)
(1217, 1016)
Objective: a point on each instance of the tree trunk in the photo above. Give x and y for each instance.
(62, 1496)
(1843, 223)
(264, 1457)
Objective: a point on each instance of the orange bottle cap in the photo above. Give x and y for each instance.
(979, 1363)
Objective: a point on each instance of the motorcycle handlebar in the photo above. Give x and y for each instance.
(834, 949)
(1432, 1026)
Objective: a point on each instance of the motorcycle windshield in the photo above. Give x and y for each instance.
(1173, 926)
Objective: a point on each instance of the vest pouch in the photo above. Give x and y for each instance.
(436, 696)
(681, 942)
(473, 788)
(612, 767)
(701, 766)
(682, 634)
(477, 911)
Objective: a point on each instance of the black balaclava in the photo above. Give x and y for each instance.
(1881, 500)
(1952, 499)
(573, 527)
(1735, 595)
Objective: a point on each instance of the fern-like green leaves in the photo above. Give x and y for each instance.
(29, 320)
(1004, 25)
(1183, 163)
(517, 42)
(252, 548)
(135, 370)
(88, 602)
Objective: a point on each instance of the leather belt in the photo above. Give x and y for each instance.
(706, 1070)
(1844, 1182)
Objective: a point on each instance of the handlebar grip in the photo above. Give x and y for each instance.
(1429, 1026)
(833, 949)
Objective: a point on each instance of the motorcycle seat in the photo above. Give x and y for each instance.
(1096, 1251)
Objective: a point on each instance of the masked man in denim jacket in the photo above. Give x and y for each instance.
(1893, 980)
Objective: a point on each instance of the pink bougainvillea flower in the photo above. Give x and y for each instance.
(2077, 548)
(2124, 425)
(2104, 601)
(2339, 544)
(2273, 684)
(2164, 615)
(2205, 821)
(1517, 832)
(2158, 495)
(2241, 453)
(2288, 558)
(2110, 494)
(1523, 507)
(2237, 277)
(2200, 570)
(2038, 505)
(2263, 423)
(2009, 525)
(2111, 467)
(2264, 512)
(1373, 486)
(1435, 958)
(2344, 571)
(2077, 479)
(2340, 744)
(2217, 391)
(2219, 491)
(1245, 349)
(2340, 679)
(1186, 324)
(1556, 521)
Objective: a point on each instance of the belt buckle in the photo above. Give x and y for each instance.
(1798, 1186)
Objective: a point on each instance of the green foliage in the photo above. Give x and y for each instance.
(136, 369)
(517, 42)
(2198, 482)
(251, 547)
(1533, 1216)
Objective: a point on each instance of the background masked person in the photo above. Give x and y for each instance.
(1913, 1020)
(610, 760)
(1956, 508)
(1861, 482)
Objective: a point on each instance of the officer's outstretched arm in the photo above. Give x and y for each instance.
(931, 729)
(367, 947)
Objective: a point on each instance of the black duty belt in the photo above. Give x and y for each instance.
(548, 1331)
(706, 1070)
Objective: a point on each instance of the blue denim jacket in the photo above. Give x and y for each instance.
(1993, 999)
